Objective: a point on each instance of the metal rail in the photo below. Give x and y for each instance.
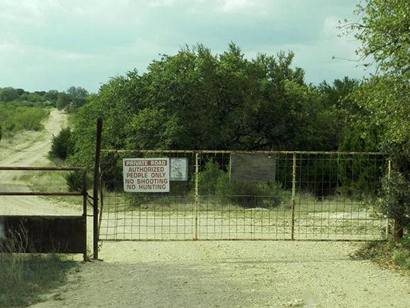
(33, 193)
(27, 168)
(242, 152)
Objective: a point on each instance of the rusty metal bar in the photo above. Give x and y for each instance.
(196, 195)
(244, 152)
(32, 193)
(240, 239)
(96, 186)
(10, 168)
(101, 203)
(292, 234)
(45, 216)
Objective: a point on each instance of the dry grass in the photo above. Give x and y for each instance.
(25, 278)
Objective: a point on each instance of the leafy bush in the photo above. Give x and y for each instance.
(395, 199)
(75, 181)
(251, 195)
(209, 177)
(15, 117)
(387, 253)
(62, 144)
(215, 181)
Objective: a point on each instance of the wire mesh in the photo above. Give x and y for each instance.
(308, 196)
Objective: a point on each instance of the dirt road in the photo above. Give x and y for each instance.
(231, 274)
(30, 149)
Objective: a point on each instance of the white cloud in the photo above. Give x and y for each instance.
(161, 3)
(87, 41)
(235, 5)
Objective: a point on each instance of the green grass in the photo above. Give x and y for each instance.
(25, 278)
(16, 117)
(305, 203)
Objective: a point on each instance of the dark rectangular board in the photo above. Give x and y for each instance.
(253, 168)
(43, 234)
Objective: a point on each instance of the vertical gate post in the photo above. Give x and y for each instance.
(96, 187)
(388, 230)
(293, 197)
(397, 230)
(101, 202)
(85, 196)
(196, 195)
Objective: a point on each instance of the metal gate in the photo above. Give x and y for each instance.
(233, 195)
(30, 223)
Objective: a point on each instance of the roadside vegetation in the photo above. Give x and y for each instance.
(25, 278)
(71, 99)
(18, 117)
(21, 110)
(390, 254)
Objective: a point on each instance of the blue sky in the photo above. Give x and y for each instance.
(54, 44)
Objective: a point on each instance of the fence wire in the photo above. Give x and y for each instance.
(230, 195)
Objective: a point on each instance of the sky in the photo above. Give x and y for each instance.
(55, 44)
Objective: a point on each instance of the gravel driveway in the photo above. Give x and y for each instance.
(232, 274)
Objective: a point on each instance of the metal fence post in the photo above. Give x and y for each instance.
(196, 195)
(96, 187)
(293, 197)
(85, 199)
(397, 230)
(387, 219)
(101, 202)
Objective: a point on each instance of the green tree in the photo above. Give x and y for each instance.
(63, 100)
(385, 36)
(52, 95)
(77, 96)
(62, 145)
(198, 100)
(8, 94)
(384, 31)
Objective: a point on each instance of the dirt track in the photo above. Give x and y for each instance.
(207, 274)
(30, 149)
(231, 274)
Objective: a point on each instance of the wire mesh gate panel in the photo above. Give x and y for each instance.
(230, 195)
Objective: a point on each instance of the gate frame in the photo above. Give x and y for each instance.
(82, 193)
(294, 158)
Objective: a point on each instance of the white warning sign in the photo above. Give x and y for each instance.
(146, 174)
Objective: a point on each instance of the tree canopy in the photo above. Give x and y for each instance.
(198, 100)
(384, 31)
